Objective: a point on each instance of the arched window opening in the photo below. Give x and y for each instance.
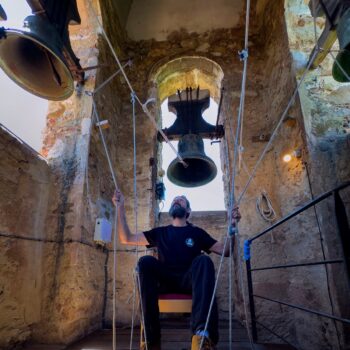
(209, 197)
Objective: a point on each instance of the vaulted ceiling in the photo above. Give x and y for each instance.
(156, 19)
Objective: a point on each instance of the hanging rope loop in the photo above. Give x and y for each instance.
(265, 208)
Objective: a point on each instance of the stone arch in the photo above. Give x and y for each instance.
(186, 71)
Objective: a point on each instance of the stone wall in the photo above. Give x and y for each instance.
(326, 113)
(25, 195)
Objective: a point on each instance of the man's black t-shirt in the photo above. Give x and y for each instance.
(178, 246)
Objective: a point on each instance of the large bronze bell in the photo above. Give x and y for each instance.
(32, 57)
(343, 57)
(200, 168)
(190, 128)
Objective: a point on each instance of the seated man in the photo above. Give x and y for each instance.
(181, 267)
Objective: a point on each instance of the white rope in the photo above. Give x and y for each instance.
(242, 100)
(230, 313)
(135, 213)
(104, 83)
(141, 307)
(114, 341)
(105, 145)
(95, 113)
(265, 208)
(144, 106)
(291, 101)
(240, 277)
(234, 167)
(214, 290)
(244, 57)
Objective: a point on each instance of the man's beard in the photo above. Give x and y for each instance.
(177, 211)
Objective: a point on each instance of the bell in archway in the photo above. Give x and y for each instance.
(343, 58)
(200, 168)
(33, 58)
(190, 128)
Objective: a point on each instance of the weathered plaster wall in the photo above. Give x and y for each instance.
(325, 106)
(25, 193)
(73, 302)
(156, 20)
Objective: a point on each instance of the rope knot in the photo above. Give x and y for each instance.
(243, 55)
(133, 97)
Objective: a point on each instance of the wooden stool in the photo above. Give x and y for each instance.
(172, 303)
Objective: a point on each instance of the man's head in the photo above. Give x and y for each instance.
(180, 208)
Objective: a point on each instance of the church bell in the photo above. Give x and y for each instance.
(33, 58)
(343, 57)
(200, 169)
(190, 128)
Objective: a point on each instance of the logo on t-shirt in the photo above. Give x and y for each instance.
(189, 242)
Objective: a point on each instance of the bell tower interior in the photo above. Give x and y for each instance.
(285, 141)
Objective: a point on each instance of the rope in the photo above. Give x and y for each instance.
(230, 232)
(95, 113)
(265, 208)
(114, 280)
(143, 105)
(104, 83)
(244, 57)
(230, 296)
(135, 214)
(214, 290)
(141, 307)
(232, 195)
(291, 101)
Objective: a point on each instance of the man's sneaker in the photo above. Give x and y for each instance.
(207, 343)
(150, 346)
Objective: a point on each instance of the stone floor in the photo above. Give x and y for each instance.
(175, 336)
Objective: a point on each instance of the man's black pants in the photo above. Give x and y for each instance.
(198, 280)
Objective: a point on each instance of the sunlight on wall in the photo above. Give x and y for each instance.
(21, 112)
(203, 198)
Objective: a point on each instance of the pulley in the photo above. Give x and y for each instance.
(343, 57)
(33, 58)
(200, 169)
